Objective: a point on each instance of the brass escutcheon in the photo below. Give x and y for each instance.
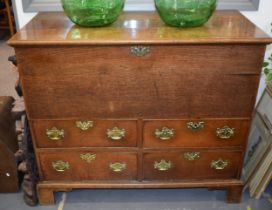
(225, 133)
(55, 133)
(195, 126)
(116, 133)
(191, 155)
(219, 164)
(88, 157)
(139, 50)
(118, 167)
(60, 165)
(165, 133)
(84, 125)
(162, 165)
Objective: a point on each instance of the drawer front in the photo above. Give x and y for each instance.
(190, 165)
(76, 133)
(195, 133)
(88, 165)
(118, 83)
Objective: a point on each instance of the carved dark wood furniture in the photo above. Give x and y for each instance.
(8, 147)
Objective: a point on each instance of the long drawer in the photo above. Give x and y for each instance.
(87, 165)
(78, 133)
(195, 133)
(191, 165)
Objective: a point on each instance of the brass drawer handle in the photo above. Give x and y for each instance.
(162, 165)
(118, 167)
(60, 165)
(116, 133)
(195, 126)
(219, 164)
(139, 50)
(88, 157)
(165, 133)
(55, 133)
(225, 133)
(84, 125)
(191, 155)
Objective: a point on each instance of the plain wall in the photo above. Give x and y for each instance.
(21, 17)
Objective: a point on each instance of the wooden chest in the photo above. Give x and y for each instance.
(138, 104)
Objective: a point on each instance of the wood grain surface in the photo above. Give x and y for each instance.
(138, 28)
(206, 137)
(198, 169)
(98, 169)
(93, 137)
(169, 82)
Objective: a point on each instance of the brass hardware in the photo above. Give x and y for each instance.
(55, 133)
(165, 133)
(191, 155)
(162, 165)
(195, 126)
(225, 132)
(219, 164)
(88, 157)
(84, 125)
(139, 50)
(118, 167)
(60, 165)
(116, 133)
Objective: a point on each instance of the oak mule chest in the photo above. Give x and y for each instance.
(138, 104)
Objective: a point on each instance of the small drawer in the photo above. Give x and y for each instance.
(88, 133)
(195, 133)
(79, 165)
(191, 165)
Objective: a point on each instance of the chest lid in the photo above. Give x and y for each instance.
(139, 28)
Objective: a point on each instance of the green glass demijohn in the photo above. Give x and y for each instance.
(185, 13)
(94, 13)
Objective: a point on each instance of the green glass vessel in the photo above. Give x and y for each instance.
(90, 13)
(185, 13)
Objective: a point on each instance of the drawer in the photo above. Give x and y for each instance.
(75, 133)
(195, 133)
(190, 165)
(88, 165)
